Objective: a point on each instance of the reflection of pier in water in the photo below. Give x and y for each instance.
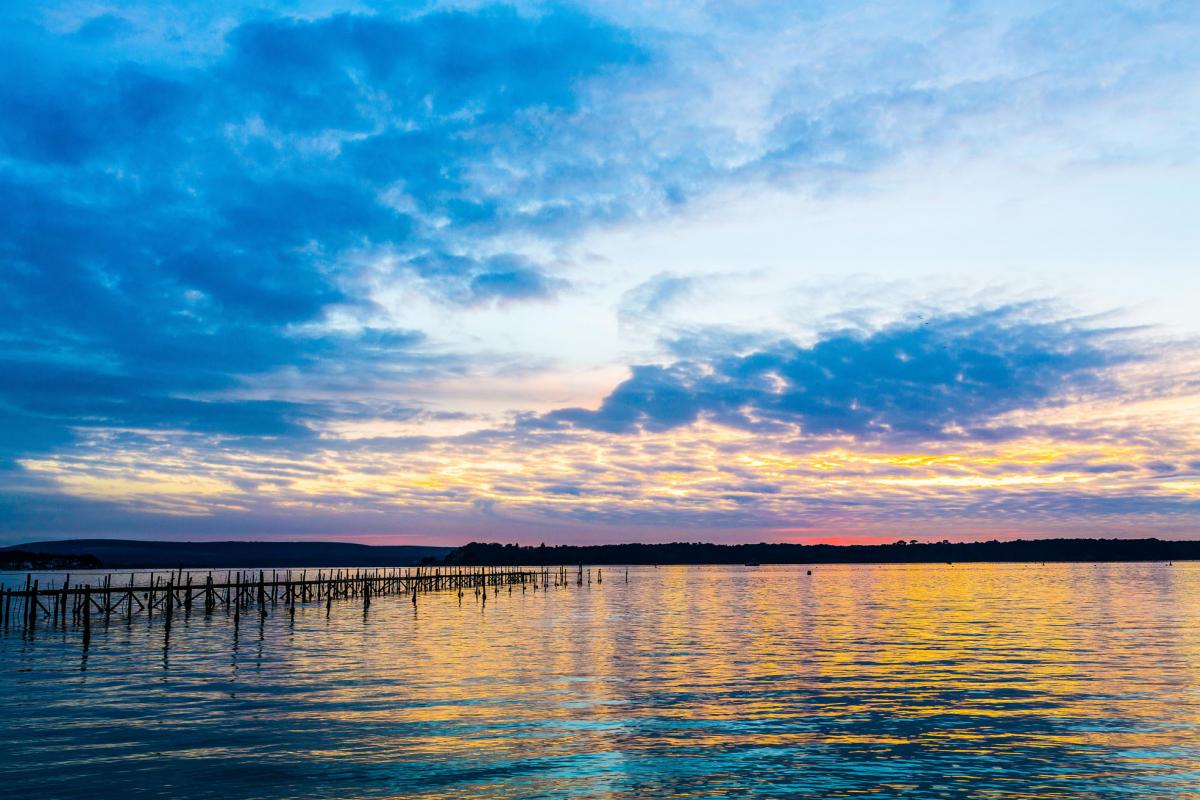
(179, 592)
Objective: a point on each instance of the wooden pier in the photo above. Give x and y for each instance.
(124, 596)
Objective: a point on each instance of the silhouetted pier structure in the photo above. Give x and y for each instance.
(124, 596)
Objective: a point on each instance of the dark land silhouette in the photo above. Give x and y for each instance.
(13, 558)
(478, 553)
(135, 554)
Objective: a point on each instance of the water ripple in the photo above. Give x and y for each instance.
(946, 681)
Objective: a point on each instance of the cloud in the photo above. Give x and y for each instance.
(466, 282)
(197, 199)
(515, 283)
(947, 377)
(171, 230)
(1058, 460)
(971, 80)
(103, 28)
(206, 215)
(652, 296)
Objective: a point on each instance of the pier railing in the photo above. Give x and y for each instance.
(122, 596)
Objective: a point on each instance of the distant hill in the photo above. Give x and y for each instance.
(477, 553)
(129, 553)
(25, 560)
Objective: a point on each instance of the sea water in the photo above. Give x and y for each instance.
(925, 681)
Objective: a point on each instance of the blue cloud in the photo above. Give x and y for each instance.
(465, 281)
(445, 68)
(103, 28)
(517, 282)
(652, 296)
(941, 378)
(180, 216)
(170, 229)
(564, 490)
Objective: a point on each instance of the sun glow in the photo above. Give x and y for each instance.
(716, 474)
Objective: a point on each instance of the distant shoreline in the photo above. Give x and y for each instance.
(136, 554)
(696, 553)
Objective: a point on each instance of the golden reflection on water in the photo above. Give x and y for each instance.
(1016, 681)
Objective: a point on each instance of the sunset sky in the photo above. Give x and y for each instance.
(429, 273)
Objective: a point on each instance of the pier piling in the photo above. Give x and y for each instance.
(176, 591)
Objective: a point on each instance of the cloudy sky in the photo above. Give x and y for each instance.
(427, 273)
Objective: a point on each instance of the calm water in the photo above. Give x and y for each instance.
(1014, 681)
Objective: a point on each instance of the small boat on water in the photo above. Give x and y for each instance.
(753, 564)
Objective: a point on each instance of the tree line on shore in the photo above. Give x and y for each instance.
(900, 552)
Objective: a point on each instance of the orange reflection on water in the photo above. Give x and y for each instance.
(1022, 681)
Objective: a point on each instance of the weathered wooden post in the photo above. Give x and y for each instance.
(62, 611)
(25, 608)
(169, 601)
(31, 601)
(87, 615)
(107, 599)
(150, 595)
(262, 593)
